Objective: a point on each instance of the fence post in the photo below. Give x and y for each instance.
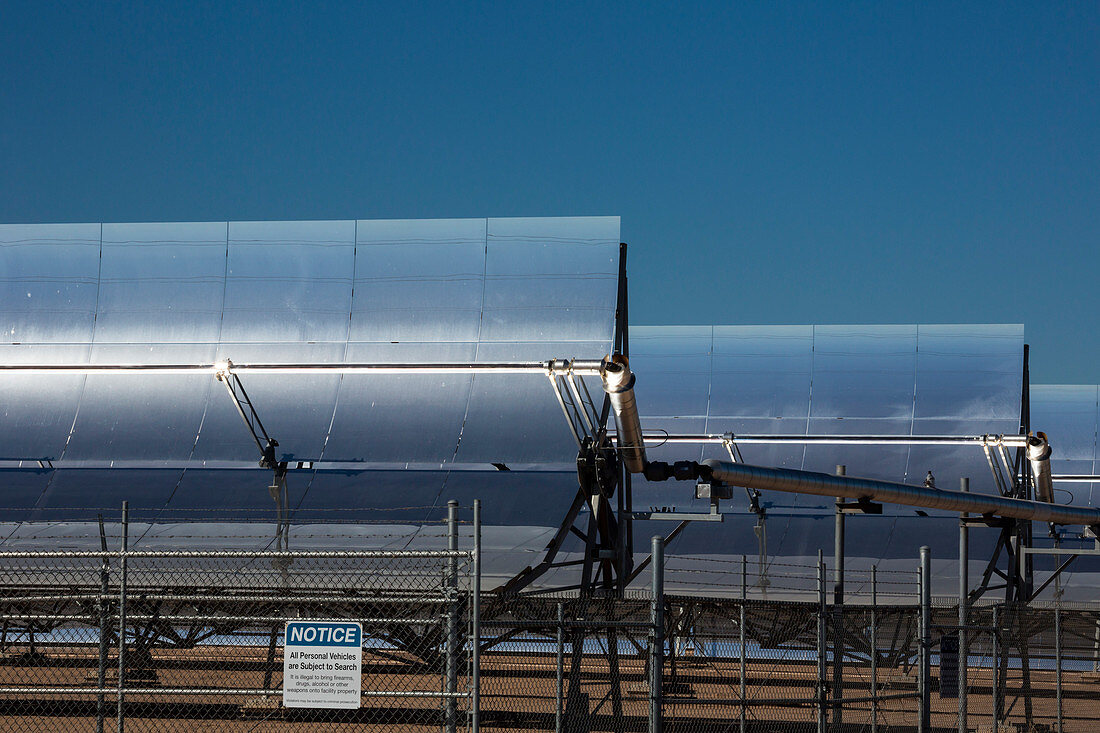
(450, 704)
(874, 649)
(822, 692)
(1058, 639)
(559, 696)
(996, 667)
(838, 608)
(656, 649)
(964, 602)
(121, 722)
(104, 587)
(475, 646)
(741, 629)
(924, 675)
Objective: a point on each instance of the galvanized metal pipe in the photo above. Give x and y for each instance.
(924, 676)
(822, 484)
(964, 602)
(584, 368)
(1038, 455)
(450, 710)
(618, 382)
(1007, 441)
(657, 619)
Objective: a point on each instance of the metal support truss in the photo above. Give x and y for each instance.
(603, 492)
(266, 445)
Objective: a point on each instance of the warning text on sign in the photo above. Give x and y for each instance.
(322, 664)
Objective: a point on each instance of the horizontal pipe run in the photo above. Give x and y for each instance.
(1071, 478)
(823, 484)
(238, 554)
(584, 368)
(213, 619)
(214, 691)
(1008, 441)
(282, 597)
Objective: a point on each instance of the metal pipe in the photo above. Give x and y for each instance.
(559, 695)
(121, 721)
(656, 651)
(996, 644)
(741, 633)
(475, 623)
(822, 682)
(584, 368)
(822, 484)
(874, 649)
(101, 676)
(838, 605)
(618, 382)
(964, 602)
(1058, 641)
(1008, 441)
(450, 709)
(1038, 455)
(924, 677)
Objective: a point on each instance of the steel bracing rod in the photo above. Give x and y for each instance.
(248, 413)
(823, 484)
(580, 367)
(719, 439)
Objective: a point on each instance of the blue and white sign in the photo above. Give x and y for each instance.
(322, 664)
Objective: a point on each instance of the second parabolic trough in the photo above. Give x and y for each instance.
(373, 458)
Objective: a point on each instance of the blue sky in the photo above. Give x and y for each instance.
(772, 162)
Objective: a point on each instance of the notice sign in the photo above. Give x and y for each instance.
(322, 664)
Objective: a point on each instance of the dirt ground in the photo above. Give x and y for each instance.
(518, 692)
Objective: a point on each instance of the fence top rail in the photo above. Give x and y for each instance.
(239, 554)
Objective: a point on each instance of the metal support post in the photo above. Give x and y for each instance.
(121, 722)
(475, 622)
(924, 677)
(450, 704)
(822, 683)
(656, 649)
(838, 606)
(874, 649)
(1058, 639)
(104, 583)
(964, 601)
(741, 632)
(559, 697)
(996, 667)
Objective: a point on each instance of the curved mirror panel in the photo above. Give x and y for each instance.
(289, 281)
(36, 414)
(49, 278)
(551, 280)
(296, 409)
(161, 283)
(418, 281)
(401, 418)
(761, 371)
(970, 371)
(151, 418)
(863, 372)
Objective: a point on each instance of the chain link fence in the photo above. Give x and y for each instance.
(203, 646)
(195, 640)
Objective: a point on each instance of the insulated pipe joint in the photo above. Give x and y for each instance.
(618, 382)
(1038, 455)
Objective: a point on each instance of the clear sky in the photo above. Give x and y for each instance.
(772, 162)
